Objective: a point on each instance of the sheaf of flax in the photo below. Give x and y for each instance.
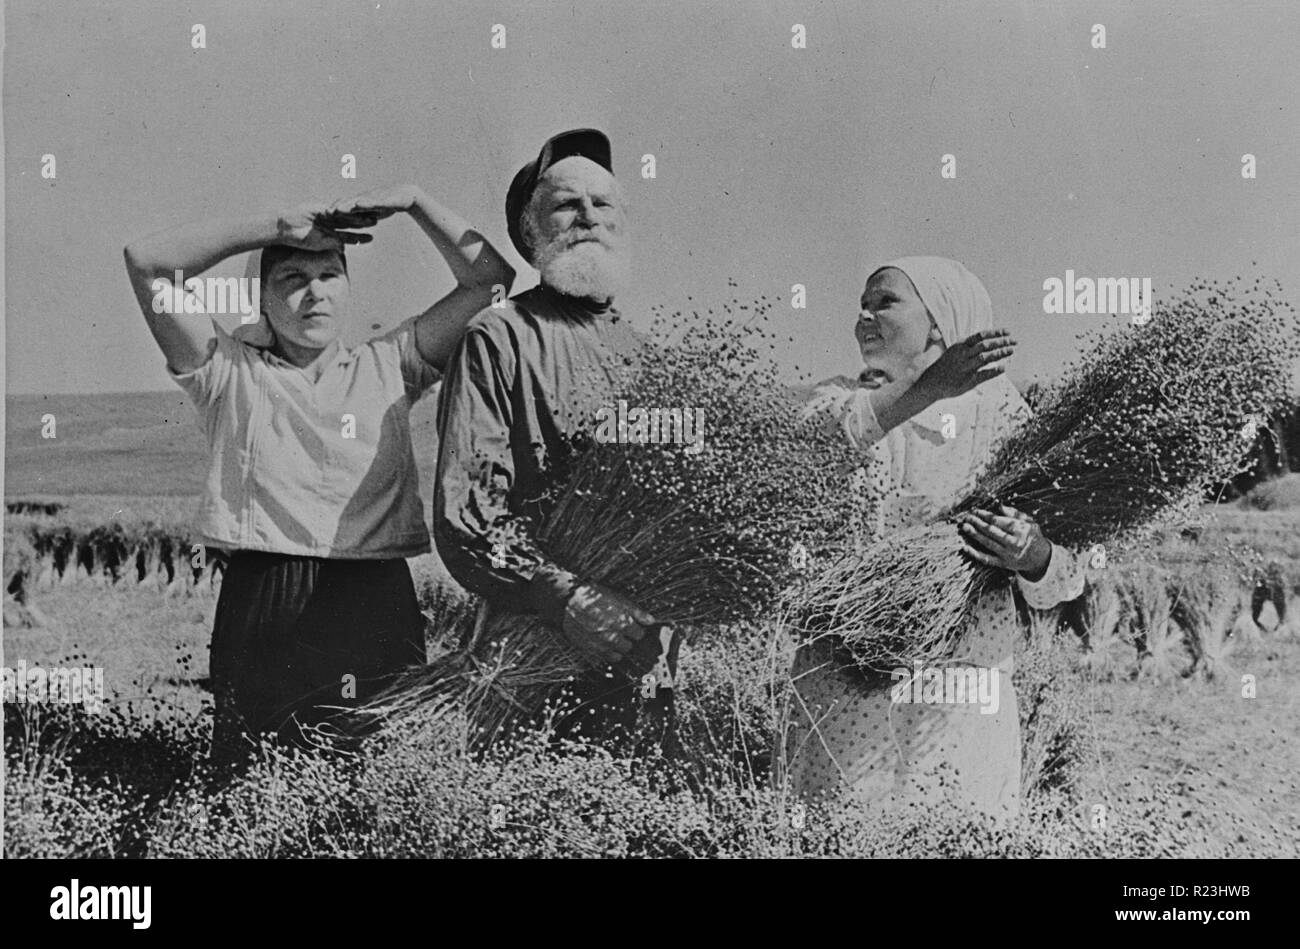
(696, 539)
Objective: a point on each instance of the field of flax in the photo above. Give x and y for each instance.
(1137, 739)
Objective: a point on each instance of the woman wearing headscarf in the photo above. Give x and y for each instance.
(312, 483)
(928, 410)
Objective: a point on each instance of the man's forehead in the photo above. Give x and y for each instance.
(576, 173)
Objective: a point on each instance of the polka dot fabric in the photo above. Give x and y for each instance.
(849, 736)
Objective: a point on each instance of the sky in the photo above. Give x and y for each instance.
(774, 165)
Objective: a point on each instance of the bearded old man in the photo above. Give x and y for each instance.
(521, 394)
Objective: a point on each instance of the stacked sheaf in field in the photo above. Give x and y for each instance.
(146, 542)
(1195, 601)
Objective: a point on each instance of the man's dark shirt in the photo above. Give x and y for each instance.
(523, 385)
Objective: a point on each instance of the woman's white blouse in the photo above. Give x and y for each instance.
(321, 468)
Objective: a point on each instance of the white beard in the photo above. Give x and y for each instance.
(590, 270)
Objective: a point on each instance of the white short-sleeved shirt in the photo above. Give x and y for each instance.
(318, 469)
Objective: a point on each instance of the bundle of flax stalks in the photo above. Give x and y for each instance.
(1140, 428)
(695, 534)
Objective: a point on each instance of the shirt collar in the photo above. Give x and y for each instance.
(342, 356)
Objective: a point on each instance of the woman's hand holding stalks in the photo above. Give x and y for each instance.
(1012, 541)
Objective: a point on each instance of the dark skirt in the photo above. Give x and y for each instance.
(299, 641)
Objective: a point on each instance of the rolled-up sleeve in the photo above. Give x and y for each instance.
(418, 374)
(1065, 579)
(488, 548)
(206, 384)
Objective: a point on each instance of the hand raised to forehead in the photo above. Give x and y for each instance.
(370, 207)
(313, 227)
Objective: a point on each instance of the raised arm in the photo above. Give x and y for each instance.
(184, 333)
(866, 412)
(959, 369)
(477, 266)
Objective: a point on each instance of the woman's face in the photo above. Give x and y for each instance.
(893, 327)
(306, 300)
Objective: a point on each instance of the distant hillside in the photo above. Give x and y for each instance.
(131, 444)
